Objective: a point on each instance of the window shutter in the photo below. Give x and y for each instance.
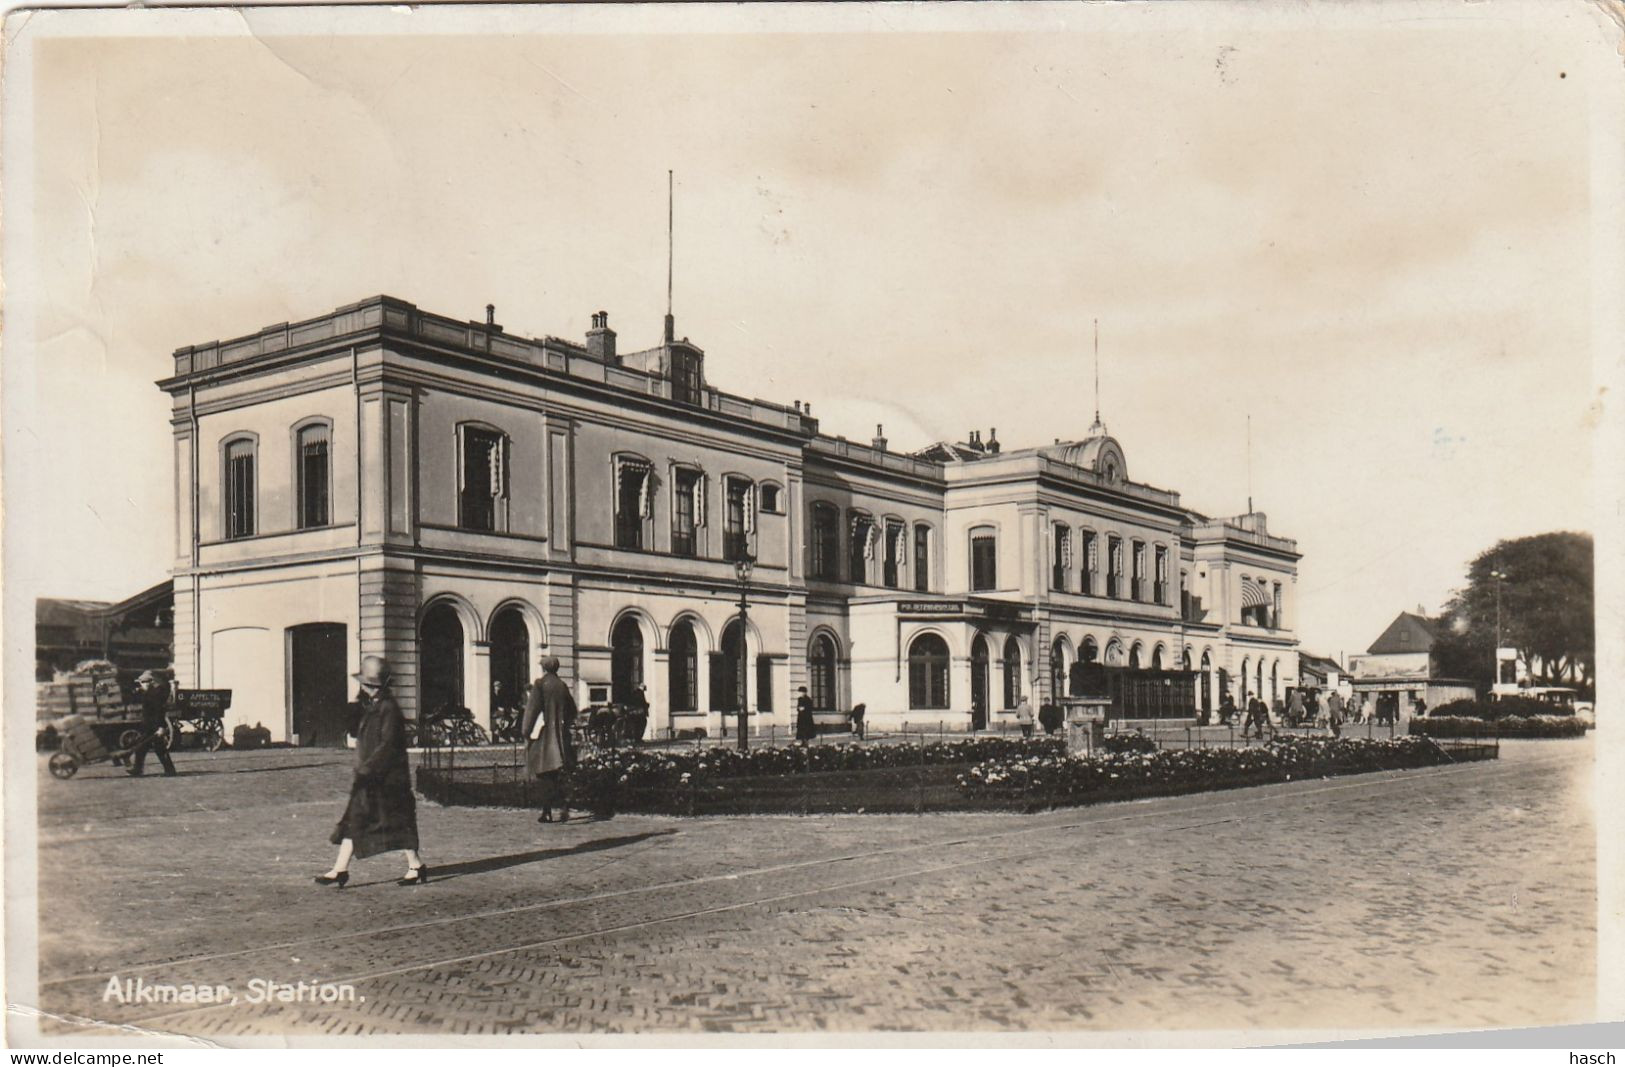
(699, 500)
(645, 493)
(750, 507)
(496, 465)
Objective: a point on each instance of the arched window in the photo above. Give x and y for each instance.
(825, 543)
(728, 669)
(1134, 657)
(1057, 669)
(684, 666)
(1012, 672)
(1243, 699)
(1275, 680)
(313, 475)
(1185, 660)
(241, 463)
(927, 673)
(1207, 682)
(1156, 658)
(821, 673)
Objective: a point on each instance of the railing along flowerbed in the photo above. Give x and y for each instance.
(1508, 726)
(983, 773)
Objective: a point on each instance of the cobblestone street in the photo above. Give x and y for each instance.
(1455, 897)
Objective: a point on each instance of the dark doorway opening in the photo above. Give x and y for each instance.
(440, 661)
(510, 658)
(978, 684)
(317, 684)
(626, 660)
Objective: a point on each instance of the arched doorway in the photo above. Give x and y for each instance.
(1275, 681)
(510, 658)
(978, 683)
(1134, 657)
(1156, 658)
(928, 672)
(1058, 668)
(625, 660)
(440, 654)
(1207, 682)
(1012, 672)
(821, 673)
(683, 683)
(1242, 702)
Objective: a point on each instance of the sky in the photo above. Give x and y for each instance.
(1372, 235)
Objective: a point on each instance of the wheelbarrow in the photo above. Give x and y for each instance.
(80, 745)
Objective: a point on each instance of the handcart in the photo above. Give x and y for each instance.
(80, 745)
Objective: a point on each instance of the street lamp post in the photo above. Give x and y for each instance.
(742, 569)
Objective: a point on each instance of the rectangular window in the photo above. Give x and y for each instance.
(685, 377)
(770, 499)
(893, 557)
(764, 683)
(1162, 575)
(1138, 592)
(482, 480)
(861, 549)
(631, 504)
(740, 520)
(1114, 565)
(984, 571)
(1061, 562)
(1091, 561)
(313, 477)
(826, 542)
(684, 513)
(1275, 620)
(922, 558)
(240, 489)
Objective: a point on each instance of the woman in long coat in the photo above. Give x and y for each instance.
(381, 815)
(550, 751)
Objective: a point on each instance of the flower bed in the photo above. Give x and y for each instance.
(1501, 708)
(1531, 726)
(1074, 779)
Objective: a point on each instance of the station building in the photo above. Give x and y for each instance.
(464, 501)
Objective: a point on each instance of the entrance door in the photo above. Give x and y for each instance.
(440, 661)
(978, 684)
(316, 683)
(626, 660)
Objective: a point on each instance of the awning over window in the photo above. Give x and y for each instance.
(1254, 595)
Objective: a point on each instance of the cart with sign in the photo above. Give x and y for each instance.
(198, 718)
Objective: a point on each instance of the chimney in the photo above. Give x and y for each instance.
(879, 442)
(601, 339)
(975, 440)
(993, 440)
(671, 328)
(798, 407)
(490, 314)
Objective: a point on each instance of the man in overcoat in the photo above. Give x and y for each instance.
(550, 749)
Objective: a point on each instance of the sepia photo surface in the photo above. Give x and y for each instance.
(699, 522)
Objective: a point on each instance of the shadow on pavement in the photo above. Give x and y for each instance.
(519, 859)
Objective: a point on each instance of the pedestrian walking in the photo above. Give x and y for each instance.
(381, 815)
(858, 712)
(1295, 711)
(154, 726)
(806, 728)
(1334, 714)
(550, 745)
(1024, 716)
(1227, 710)
(1257, 716)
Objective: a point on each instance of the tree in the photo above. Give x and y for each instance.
(1546, 611)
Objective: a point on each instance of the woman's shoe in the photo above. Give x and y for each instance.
(333, 879)
(416, 876)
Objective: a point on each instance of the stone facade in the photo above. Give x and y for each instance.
(381, 480)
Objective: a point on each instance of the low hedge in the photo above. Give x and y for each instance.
(1534, 726)
(610, 770)
(1059, 779)
(1505, 707)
